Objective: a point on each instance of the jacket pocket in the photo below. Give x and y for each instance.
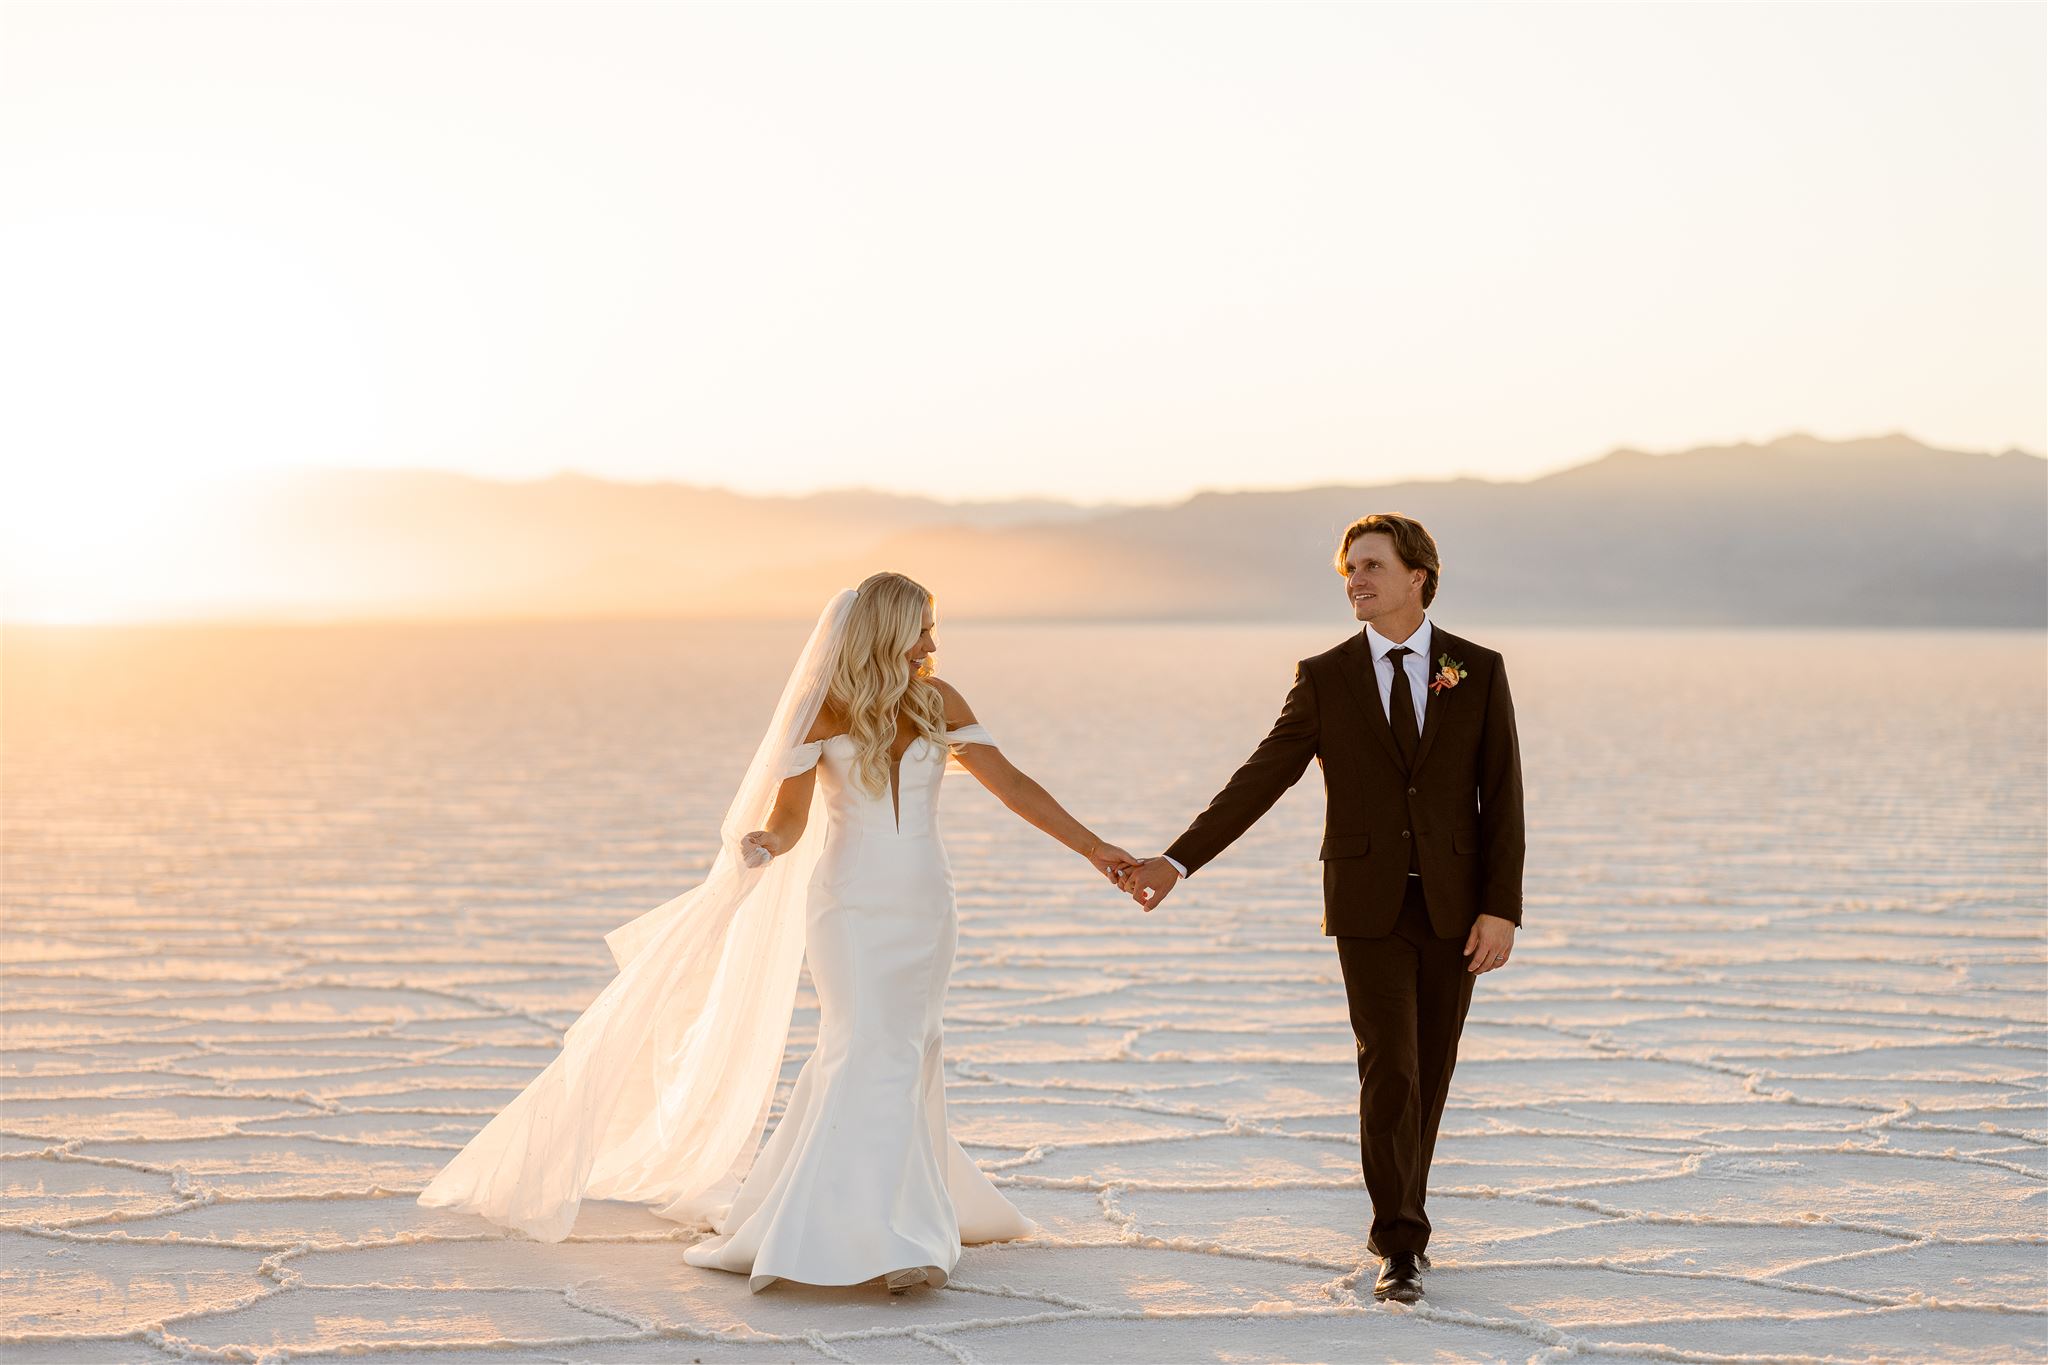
(1345, 846)
(1464, 841)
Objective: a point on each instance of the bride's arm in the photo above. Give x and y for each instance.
(792, 801)
(792, 812)
(1016, 790)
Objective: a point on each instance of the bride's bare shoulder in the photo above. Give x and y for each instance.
(958, 713)
(828, 724)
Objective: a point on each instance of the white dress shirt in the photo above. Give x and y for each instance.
(1417, 663)
(1419, 671)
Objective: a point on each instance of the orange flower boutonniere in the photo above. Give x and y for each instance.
(1448, 672)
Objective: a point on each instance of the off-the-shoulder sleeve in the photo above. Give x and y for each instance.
(802, 758)
(976, 733)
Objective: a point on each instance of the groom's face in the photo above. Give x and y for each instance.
(1378, 583)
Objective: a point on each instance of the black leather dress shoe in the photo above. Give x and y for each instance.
(1400, 1278)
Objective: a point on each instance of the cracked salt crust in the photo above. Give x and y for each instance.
(1765, 1082)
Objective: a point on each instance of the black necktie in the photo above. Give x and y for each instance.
(1401, 707)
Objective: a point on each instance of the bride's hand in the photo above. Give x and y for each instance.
(1110, 860)
(763, 840)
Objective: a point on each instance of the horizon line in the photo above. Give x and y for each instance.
(876, 490)
(1277, 620)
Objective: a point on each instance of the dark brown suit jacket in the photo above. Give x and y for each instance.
(1462, 803)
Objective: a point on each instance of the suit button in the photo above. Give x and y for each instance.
(1411, 791)
(1404, 834)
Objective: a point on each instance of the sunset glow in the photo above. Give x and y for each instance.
(1094, 253)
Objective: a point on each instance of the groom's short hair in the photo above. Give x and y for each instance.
(1416, 546)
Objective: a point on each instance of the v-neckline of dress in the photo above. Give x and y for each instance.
(895, 771)
(896, 779)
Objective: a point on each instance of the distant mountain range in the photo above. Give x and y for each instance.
(1799, 531)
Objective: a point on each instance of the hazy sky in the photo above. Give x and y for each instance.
(1095, 251)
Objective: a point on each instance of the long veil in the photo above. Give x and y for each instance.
(663, 1084)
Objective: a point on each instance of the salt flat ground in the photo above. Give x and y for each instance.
(290, 913)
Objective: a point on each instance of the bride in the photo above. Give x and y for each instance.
(663, 1084)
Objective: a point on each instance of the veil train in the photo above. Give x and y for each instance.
(663, 1084)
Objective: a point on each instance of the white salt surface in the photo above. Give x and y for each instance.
(291, 913)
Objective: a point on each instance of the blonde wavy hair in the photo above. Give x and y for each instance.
(872, 680)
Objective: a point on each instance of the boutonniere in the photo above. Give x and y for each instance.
(1448, 671)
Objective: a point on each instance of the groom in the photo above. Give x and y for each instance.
(1421, 853)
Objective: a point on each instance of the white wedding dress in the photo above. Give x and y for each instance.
(862, 1178)
(664, 1084)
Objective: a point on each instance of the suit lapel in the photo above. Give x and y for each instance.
(1441, 642)
(1365, 685)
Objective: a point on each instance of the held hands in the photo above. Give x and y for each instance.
(1108, 859)
(1148, 882)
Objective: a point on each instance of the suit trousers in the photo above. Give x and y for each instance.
(1408, 991)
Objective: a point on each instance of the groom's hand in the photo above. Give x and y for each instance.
(1490, 943)
(1149, 882)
